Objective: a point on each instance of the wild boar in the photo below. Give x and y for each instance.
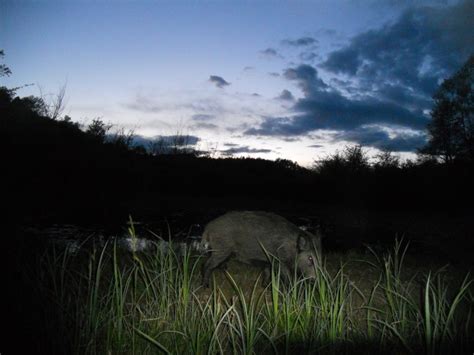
(254, 237)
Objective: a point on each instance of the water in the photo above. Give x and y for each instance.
(72, 239)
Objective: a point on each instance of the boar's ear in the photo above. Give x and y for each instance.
(302, 243)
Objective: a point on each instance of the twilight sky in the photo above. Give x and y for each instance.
(270, 79)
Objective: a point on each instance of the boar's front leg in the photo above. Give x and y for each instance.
(217, 258)
(283, 272)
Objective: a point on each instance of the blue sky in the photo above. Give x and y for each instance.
(271, 79)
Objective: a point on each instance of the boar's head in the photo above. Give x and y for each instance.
(309, 253)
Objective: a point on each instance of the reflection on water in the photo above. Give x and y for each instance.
(72, 239)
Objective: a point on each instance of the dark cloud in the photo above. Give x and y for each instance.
(341, 83)
(286, 95)
(271, 53)
(345, 61)
(218, 81)
(327, 32)
(423, 45)
(308, 56)
(249, 68)
(331, 110)
(403, 4)
(307, 78)
(323, 107)
(400, 96)
(166, 141)
(385, 79)
(281, 126)
(378, 138)
(315, 146)
(300, 42)
(244, 149)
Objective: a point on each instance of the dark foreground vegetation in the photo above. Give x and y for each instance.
(104, 301)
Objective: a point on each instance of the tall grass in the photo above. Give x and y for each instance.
(423, 313)
(107, 300)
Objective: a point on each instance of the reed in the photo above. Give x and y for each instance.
(110, 301)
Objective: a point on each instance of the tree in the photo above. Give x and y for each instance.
(4, 70)
(122, 139)
(55, 103)
(352, 160)
(6, 95)
(451, 131)
(98, 130)
(386, 159)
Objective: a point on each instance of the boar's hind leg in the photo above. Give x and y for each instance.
(217, 258)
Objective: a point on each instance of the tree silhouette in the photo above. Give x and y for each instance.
(98, 129)
(451, 131)
(386, 159)
(4, 70)
(352, 160)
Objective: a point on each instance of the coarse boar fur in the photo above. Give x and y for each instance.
(255, 237)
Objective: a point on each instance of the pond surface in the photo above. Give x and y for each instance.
(73, 238)
(134, 236)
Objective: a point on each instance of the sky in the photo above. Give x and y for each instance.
(274, 79)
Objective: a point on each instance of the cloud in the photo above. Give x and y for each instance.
(242, 149)
(166, 141)
(308, 56)
(276, 75)
(307, 78)
(331, 110)
(424, 45)
(271, 53)
(202, 117)
(286, 95)
(291, 139)
(323, 107)
(300, 42)
(381, 139)
(153, 103)
(382, 81)
(328, 31)
(345, 61)
(204, 125)
(280, 126)
(218, 81)
(144, 104)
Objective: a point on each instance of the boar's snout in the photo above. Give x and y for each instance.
(308, 258)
